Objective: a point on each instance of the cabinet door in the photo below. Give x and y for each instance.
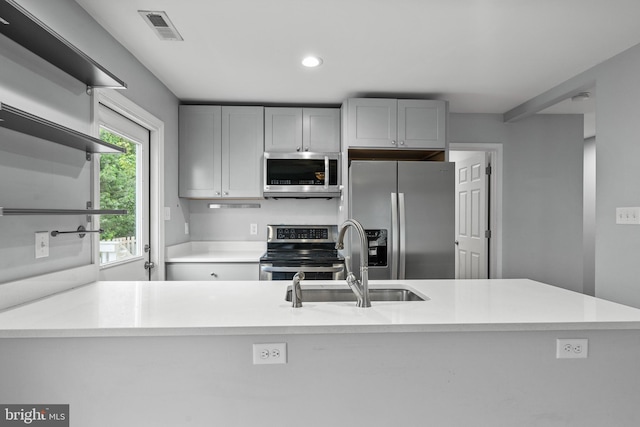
(282, 130)
(242, 151)
(321, 130)
(212, 271)
(199, 151)
(372, 122)
(421, 123)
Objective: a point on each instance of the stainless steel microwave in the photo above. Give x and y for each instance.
(301, 175)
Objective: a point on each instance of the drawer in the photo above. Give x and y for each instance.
(213, 271)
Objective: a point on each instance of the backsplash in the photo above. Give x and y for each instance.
(234, 224)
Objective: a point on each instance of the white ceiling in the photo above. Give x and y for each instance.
(484, 56)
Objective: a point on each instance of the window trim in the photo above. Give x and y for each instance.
(122, 105)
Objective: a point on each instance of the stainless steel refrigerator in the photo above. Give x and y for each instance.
(407, 209)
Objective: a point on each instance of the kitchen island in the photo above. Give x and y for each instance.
(474, 353)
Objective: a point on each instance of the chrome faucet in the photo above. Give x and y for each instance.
(359, 287)
(296, 290)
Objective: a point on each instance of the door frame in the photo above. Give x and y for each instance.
(122, 105)
(495, 151)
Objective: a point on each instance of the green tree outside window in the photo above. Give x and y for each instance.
(118, 188)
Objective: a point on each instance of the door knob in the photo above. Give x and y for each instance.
(457, 243)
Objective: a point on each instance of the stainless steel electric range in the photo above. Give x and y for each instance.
(307, 248)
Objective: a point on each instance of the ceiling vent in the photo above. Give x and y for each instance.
(161, 25)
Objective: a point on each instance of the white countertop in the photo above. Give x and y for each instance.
(240, 308)
(215, 251)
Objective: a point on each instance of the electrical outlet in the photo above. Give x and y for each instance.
(253, 229)
(186, 228)
(42, 244)
(572, 348)
(270, 353)
(167, 213)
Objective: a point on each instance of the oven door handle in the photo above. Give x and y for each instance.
(271, 269)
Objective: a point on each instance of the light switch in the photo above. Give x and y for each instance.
(42, 244)
(629, 215)
(167, 213)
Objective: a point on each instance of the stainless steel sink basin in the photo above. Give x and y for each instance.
(333, 294)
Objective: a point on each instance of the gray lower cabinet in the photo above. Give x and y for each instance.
(220, 151)
(396, 123)
(212, 271)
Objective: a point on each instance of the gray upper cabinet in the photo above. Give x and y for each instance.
(302, 129)
(220, 151)
(242, 150)
(200, 148)
(391, 123)
(282, 129)
(321, 130)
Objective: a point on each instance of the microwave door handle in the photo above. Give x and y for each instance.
(326, 172)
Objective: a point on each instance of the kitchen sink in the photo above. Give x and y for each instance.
(334, 294)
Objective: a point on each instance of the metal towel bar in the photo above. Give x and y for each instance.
(81, 232)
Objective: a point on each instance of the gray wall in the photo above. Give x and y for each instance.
(233, 224)
(542, 192)
(376, 380)
(32, 173)
(617, 248)
(618, 175)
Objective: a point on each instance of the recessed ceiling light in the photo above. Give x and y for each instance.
(312, 61)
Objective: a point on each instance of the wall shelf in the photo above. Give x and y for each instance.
(19, 211)
(25, 29)
(21, 121)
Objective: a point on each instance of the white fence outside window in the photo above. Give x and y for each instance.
(117, 249)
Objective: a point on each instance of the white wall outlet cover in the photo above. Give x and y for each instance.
(572, 348)
(253, 229)
(167, 213)
(186, 228)
(270, 353)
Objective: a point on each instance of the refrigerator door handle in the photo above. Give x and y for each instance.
(394, 236)
(402, 237)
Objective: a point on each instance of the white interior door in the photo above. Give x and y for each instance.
(471, 218)
(124, 184)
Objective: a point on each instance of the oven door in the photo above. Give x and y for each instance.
(269, 271)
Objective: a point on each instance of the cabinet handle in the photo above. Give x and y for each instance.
(214, 275)
(393, 143)
(225, 193)
(217, 193)
(306, 149)
(401, 142)
(297, 148)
